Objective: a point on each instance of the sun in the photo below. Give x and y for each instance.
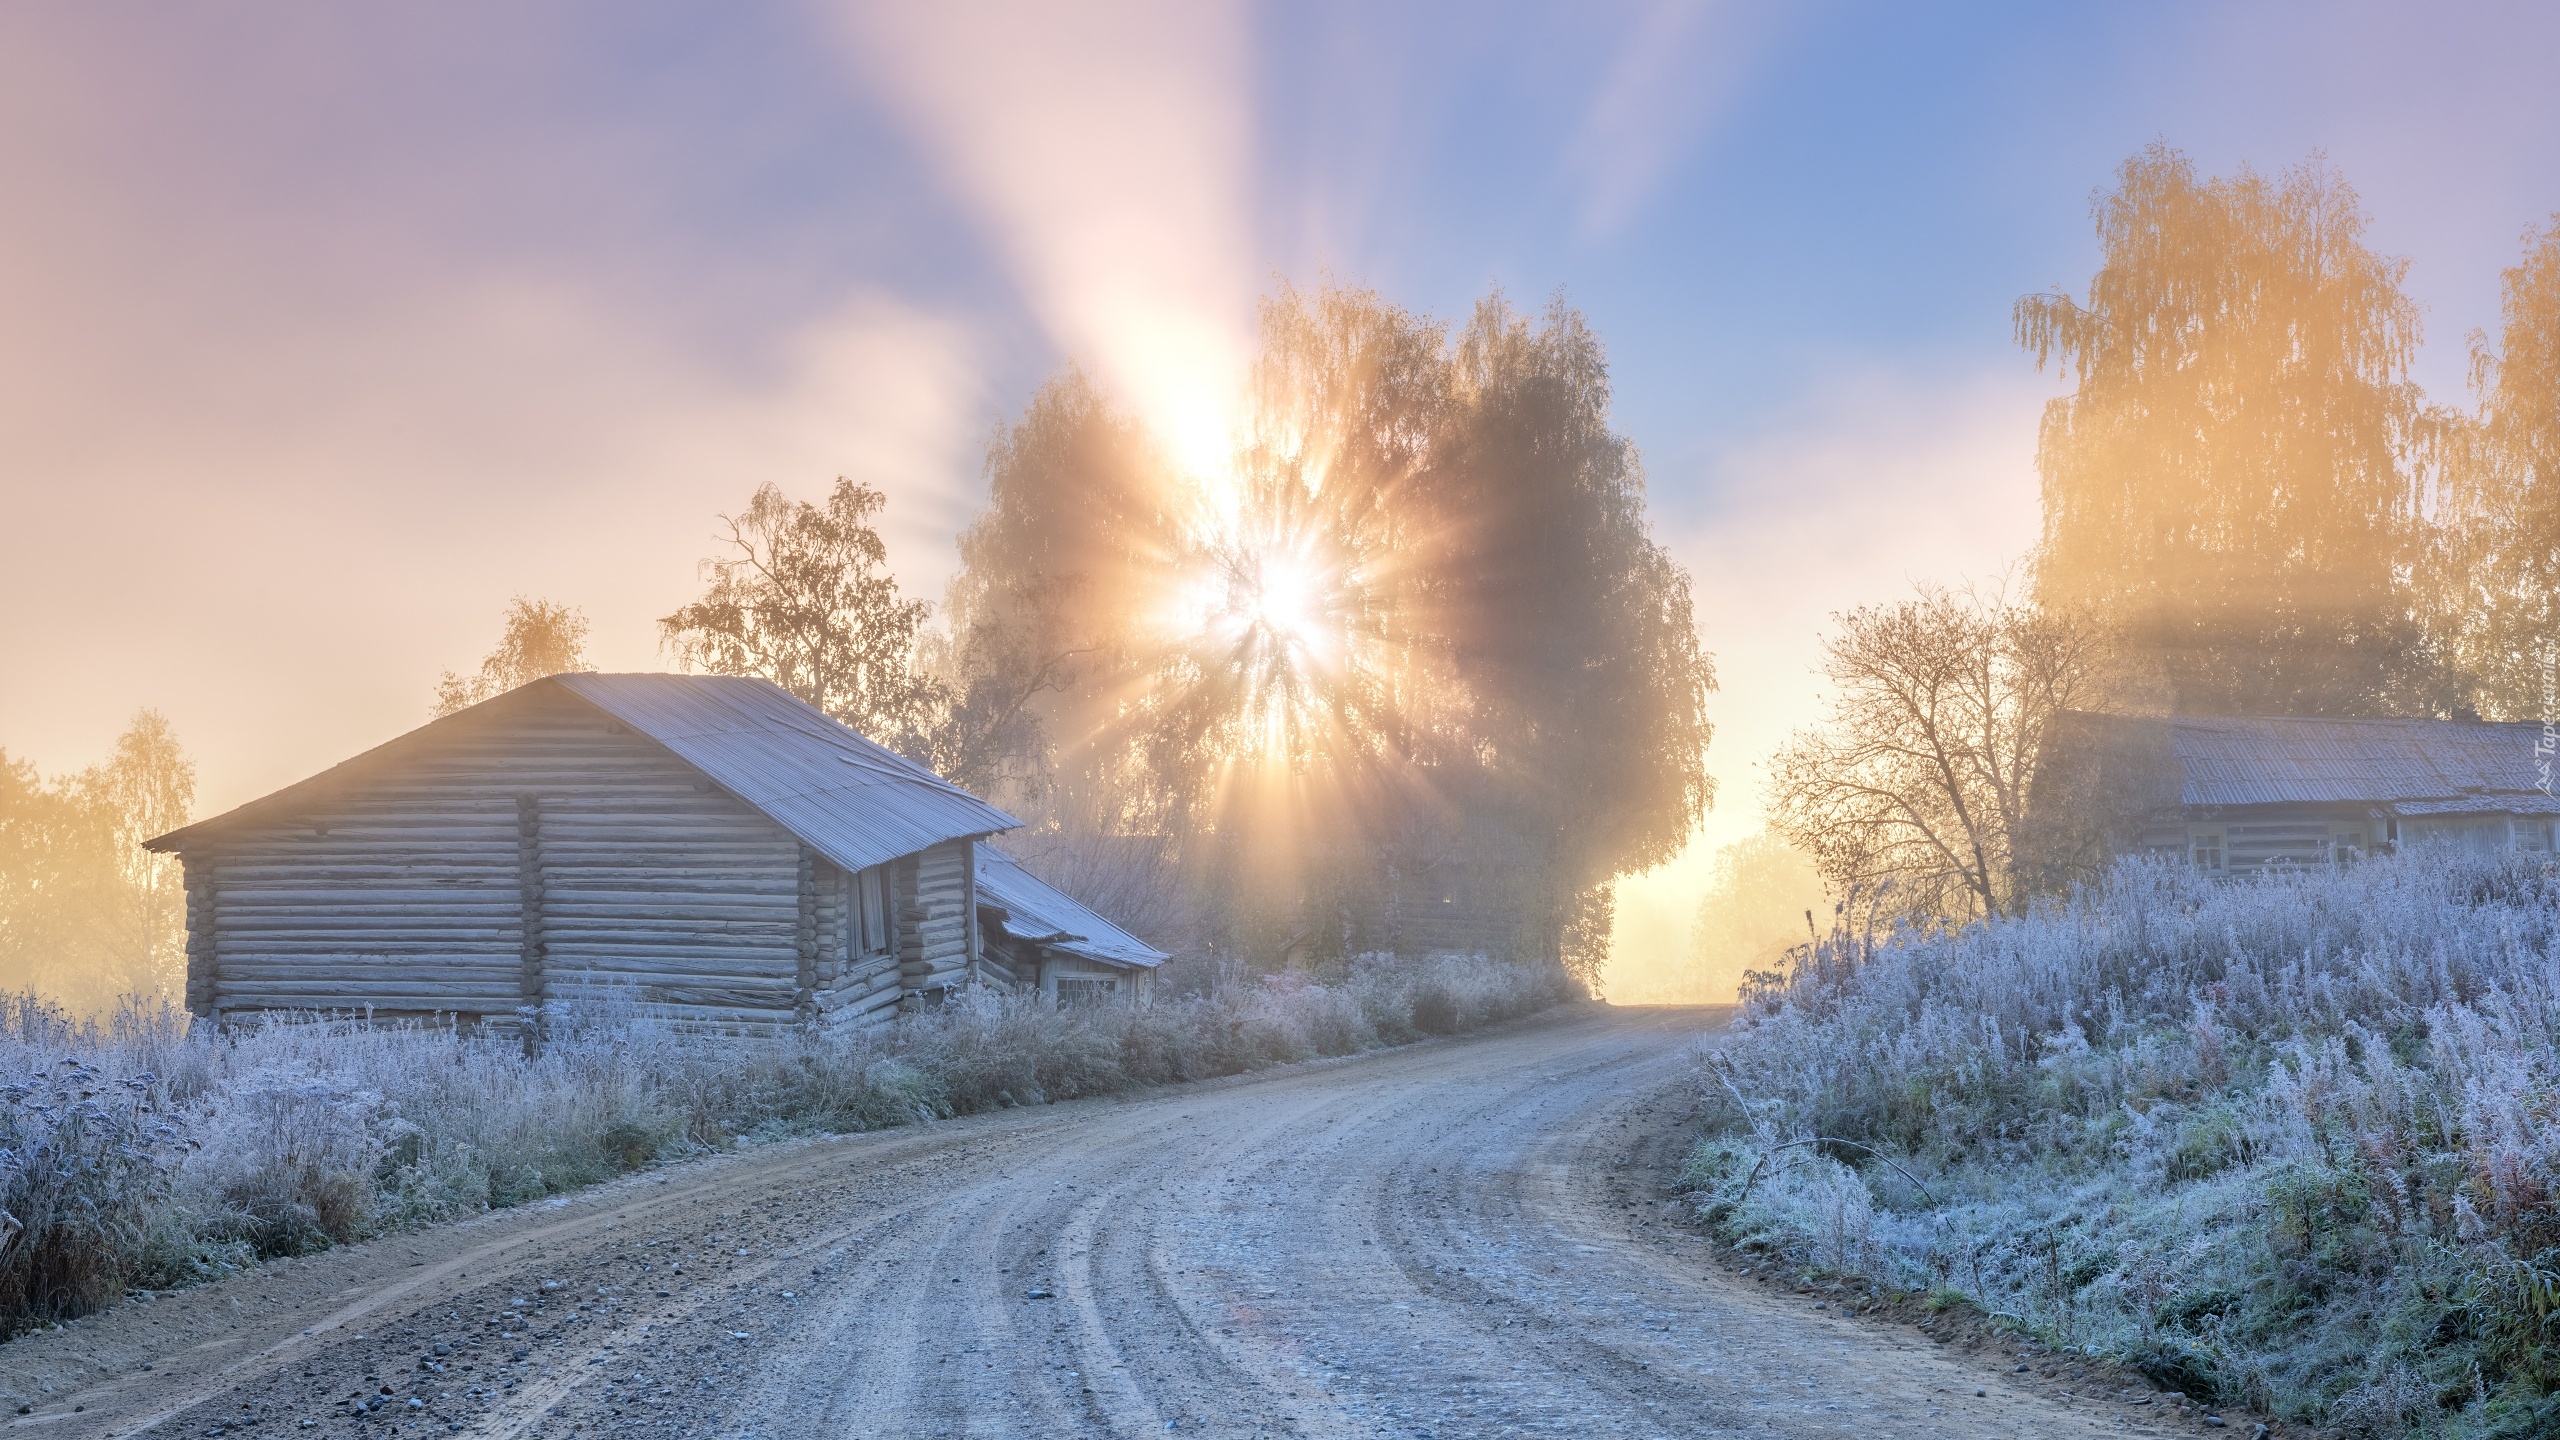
(1284, 599)
(1261, 619)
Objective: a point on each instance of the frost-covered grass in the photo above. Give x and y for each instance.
(2292, 1141)
(141, 1153)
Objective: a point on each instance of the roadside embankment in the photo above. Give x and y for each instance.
(2291, 1141)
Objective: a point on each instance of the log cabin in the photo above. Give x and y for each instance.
(711, 848)
(2235, 795)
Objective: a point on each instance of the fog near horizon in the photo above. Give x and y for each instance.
(319, 350)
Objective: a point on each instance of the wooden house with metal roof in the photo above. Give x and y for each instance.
(1037, 937)
(2238, 794)
(708, 847)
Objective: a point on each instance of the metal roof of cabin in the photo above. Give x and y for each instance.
(856, 802)
(1044, 915)
(2445, 766)
(853, 801)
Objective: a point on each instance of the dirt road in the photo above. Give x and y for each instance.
(1461, 1239)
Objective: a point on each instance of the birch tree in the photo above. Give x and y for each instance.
(541, 639)
(87, 916)
(1423, 612)
(2503, 569)
(805, 599)
(2235, 480)
(1050, 611)
(1920, 771)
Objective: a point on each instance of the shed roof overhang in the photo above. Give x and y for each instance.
(1029, 909)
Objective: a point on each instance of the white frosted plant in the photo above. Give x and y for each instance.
(2294, 1138)
(146, 1151)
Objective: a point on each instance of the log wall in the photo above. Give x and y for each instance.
(541, 855)
(936, 918)
(2265, 837)
(2262, 837)
(848, 986)
(197, 880)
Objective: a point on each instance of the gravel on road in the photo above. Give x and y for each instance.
(1467, 1238)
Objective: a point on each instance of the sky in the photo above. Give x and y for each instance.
(324, 330)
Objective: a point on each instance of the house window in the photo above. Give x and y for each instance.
(866, 912)
(2346, 844)
(2205, 851)
(1079, 990)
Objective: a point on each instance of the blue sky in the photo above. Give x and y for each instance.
(324, 330)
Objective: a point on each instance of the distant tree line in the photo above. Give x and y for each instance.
(86, 914)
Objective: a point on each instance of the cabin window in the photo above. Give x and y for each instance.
(871, 893)
(2205, 850)
(866, 913)
(2346, 844)
(1080, 990)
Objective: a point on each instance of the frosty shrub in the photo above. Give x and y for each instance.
(140, 1152)
(2291, 1140)
(88, 1151)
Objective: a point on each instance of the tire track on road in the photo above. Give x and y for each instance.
(1431, 1241)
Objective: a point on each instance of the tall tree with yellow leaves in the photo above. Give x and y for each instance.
(541, 639)
(2234, 484)
(2504, 495)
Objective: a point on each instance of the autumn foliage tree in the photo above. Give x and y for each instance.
(87, 916)
(540, 639)
(1045, 625)
(2501, 561)
(2235, 480)
(805, 598)
(1424, 610)
(1763, 898)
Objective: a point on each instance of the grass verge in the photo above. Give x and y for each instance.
(145, 1152)
(2291, 1142)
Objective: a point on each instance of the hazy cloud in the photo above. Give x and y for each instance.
(1680, 63)
(1106, 148)
(289, 591)
(302, 376)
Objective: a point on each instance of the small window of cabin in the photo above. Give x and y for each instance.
(1076, 990)
(2346, 844)
(877, 933)
(2204, 850)
(866, 909)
